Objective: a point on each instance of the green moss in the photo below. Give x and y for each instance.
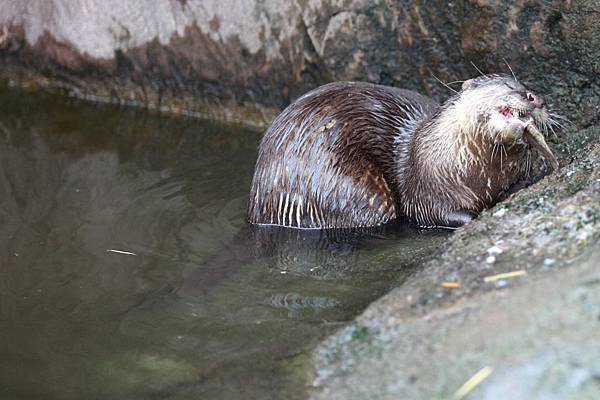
(360, 334)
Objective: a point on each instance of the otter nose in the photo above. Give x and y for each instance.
(536, 100)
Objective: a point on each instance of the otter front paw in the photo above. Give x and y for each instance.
(458, 218)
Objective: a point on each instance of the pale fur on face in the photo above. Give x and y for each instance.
(491, 109)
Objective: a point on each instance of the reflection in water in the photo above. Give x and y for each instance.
(203, 306)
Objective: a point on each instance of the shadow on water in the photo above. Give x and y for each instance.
(127, 270)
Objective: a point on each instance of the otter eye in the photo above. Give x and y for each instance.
(536, 100)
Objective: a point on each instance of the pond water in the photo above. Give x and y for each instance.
(127, 270)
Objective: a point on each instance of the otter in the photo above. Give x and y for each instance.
(356, 154)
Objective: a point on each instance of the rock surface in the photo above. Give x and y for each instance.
(244, 60)
(538, 331)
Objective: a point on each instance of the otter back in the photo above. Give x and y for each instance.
(328, 160)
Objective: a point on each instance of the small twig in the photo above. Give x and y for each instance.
(472, 383)
(506, 275)
(450, 285)
(121, 252)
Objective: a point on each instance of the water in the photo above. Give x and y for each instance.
(127, 271)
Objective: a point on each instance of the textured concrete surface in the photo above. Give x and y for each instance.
(538, 331)
(245, 60)
(539, 338)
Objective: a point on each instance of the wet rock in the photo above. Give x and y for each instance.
(245, 60)
(539, 340)
(230, 59)
(536, 328)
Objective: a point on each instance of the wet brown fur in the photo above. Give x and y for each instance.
(353, 154)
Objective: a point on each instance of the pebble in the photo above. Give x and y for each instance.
(500, 212)
(494, 250)
(548, 262)
(501, 283)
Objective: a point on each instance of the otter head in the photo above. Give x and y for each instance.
(506, 112)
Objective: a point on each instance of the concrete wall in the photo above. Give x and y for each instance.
(244, 60)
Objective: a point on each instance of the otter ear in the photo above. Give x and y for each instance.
(469, 84)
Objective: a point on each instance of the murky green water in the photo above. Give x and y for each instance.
(199, 306)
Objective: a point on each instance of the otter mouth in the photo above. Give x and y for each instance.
(510, 113)
(532, 136)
